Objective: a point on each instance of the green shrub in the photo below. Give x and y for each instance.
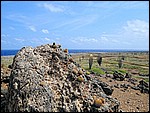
(98, 70)
(122, 71)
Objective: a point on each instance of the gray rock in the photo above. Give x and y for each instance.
(128, 75)
(108, 90)
(135, 87)
(118, 76)
(42, 80)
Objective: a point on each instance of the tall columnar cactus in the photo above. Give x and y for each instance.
(99, 60)
(90, 61)
(123, 57)
(120, 63)
(83, 57)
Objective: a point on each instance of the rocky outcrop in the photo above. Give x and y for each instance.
(118, 76)
(5, 73)
(47, 79)
(143, 86)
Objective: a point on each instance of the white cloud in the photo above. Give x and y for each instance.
(53, 8)
(135, 33)
(4, 35)
(137, 28)
(12, 28)
(127, 43)
(3, 41)
(77, 22)
(115, 41)
(47, 39)
(133, 29)
(74, 41)
(114, 4)
(135, 4)
(19, 39)
(79, 40)
(104, 38)
(92, 40)
(84, 39)
(57, 38)
(32, 28)
(45, 31)
(81, 22)
(17, 17)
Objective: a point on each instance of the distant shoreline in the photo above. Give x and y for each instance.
(8, 56)
(79, 51)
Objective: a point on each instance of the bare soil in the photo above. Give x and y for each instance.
(130, 100)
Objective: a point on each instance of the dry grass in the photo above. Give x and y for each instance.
(132, 61)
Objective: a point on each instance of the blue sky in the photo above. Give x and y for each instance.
(75, 24)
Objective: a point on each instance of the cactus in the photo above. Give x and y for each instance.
(80, 59)
(90, 61)
(99, 60)
(120, 63)
(83, 57)
(123, 57)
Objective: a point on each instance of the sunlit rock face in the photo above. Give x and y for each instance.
(47, 79)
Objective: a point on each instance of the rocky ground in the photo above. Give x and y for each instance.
(127, 91)
(131, 100)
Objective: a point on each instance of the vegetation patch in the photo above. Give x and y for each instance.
(143, 78)
(122, 71)
(97, 70)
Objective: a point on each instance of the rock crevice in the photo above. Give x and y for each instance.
(47, 79)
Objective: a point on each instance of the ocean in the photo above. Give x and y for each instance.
(73, 51)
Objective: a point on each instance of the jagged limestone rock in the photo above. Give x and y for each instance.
(43, 79)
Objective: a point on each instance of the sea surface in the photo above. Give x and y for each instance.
(73, 51)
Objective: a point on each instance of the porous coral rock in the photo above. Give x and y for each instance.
(43, 79)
